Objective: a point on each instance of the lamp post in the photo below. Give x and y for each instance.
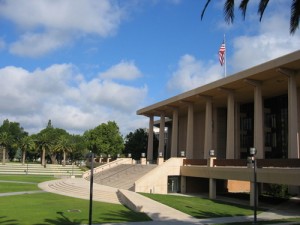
(91, 188)
(252, 155)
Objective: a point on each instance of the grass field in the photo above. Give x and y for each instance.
(201, 208)
(48, 208)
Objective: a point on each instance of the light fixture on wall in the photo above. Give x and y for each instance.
(182, 153)
(211, 153)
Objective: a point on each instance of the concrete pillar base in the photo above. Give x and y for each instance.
(212, 188)
(143, 161)
(160, 161)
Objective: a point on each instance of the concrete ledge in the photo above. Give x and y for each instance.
(125, 200)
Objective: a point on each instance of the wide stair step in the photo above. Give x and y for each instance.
(122, 176)
(78, 187)
(37, 169)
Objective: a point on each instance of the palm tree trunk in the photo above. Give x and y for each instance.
(64, 164)
(43, 157)
(3, 156)
(23, 157)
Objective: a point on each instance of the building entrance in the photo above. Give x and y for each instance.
(173, 184)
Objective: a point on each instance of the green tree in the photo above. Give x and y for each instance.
(44, 144)
(229, 11)
(26, 144)
(79, 150)
(105, 138)
(63, 145)
(136, 143)
(47, 139)
(15, 132)
(5, 141)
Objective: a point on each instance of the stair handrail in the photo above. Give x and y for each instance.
(107, 166)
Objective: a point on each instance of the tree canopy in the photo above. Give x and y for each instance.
(105, 139)
(262, 5)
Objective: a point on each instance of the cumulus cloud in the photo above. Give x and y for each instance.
(271, 40)
(192, 73)
(122, 71)
(260, 43)
(50, 24)
(61, 94)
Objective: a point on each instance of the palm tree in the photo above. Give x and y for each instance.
(63, 144)
(26, 143)
(4, 143)
(229, 11)
(44, 143)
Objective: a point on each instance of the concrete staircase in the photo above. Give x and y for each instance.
(122, 176)
(79, 188)
(37, 169)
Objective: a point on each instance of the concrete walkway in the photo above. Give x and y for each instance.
(159, 213)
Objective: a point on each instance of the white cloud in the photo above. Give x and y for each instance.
(61, 94)
(37, 44)
(192, 73)
(50, 24)
(271, 40)
(122, 71)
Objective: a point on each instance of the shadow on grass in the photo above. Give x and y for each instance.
(122, 216)
(61, 220)
(5, 221)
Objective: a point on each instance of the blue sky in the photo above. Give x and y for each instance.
(82, 63)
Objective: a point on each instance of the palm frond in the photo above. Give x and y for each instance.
(229, 11)
(261, 8)
(243, 7)
(295, 16)
(203, 11)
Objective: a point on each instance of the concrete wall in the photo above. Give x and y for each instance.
(156, 181)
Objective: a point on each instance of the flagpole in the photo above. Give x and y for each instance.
(225, 59)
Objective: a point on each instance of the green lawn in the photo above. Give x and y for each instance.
(12, 187)
(26, 178)
(200, 207)
(48, 208)
(266, 222)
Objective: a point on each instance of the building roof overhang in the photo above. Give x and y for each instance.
(272, 76)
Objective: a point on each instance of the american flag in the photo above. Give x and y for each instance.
(222, 54)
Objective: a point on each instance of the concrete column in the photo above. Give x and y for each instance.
(190, 132)
(208, 127)
(150, 139)
(183, 184)
(174, 141)
(293, 129)
(237, 133)
(230, 134)
(212, 188)
(230, 127)
(161, 145)
(293, 138)
(212, 181)
(258, 119)
(258, 123)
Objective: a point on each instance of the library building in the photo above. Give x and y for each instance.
(236, 134)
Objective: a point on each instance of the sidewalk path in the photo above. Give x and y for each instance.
(20, 193)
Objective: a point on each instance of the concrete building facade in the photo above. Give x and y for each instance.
(258, 107)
